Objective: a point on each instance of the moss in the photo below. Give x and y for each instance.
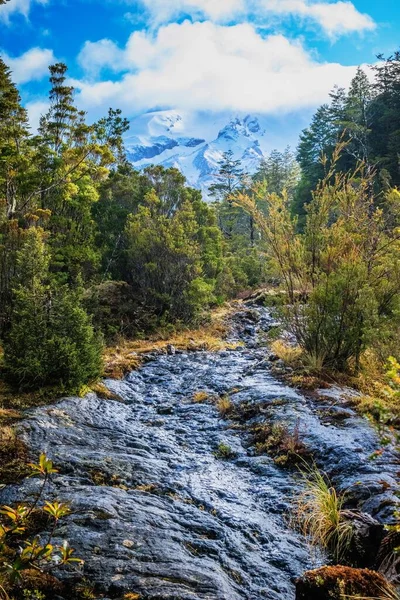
(103, 479)
(333, 583)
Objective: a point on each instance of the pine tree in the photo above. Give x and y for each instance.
(15, 155)
(230, 177)
(280, 171)
(51, 340)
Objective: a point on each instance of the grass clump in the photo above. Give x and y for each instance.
(291, 355)
(200, 397)
(319, 514)
(224, 452)
(287, 447)
(224, 406)
(13, 456)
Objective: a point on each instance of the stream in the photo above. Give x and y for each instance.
(157, 513)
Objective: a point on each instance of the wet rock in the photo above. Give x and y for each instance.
(366, 539)
(201, 528)
(333, 583)
(165, 410)
(171, 350)
(388, 559)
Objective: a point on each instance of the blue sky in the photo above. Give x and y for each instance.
(205, 58)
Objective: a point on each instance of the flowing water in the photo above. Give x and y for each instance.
(157, 513)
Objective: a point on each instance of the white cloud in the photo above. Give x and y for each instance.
(204, 66)
(14, 7)
(31, 66)
(35, 110)
(95, 56)
(164, 10)
(336, 17)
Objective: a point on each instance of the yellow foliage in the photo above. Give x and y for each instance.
(224, 405)
(291, 355)
(200, 397)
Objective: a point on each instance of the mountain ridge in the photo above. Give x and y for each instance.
(161, 140)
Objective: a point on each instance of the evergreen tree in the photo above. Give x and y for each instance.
(15, 152)
(230, 177)
(51, 340)
(280, 171)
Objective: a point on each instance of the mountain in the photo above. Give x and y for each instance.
(159, 138)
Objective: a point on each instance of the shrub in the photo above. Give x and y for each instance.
(224, 452)
(278, 441)
(346, 264)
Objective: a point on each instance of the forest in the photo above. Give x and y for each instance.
(92, 249)
(94, 252)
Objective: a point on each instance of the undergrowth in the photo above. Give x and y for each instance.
(28, 555)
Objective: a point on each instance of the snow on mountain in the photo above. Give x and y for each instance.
(159, 138)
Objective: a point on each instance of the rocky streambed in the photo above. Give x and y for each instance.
(157, 512)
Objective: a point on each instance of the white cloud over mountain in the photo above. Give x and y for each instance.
(207, 66)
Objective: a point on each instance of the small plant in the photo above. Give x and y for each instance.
(386, 593)
(224, 452)
(224, 406)
(278, 441)
(85, 590)
(200, 397)
(319, 514)
(21, 554)
(33, 595)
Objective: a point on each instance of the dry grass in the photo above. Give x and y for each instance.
(224, 406)
(127, 356)
(103, 392)
(13, 456)
(291, 355)
(386, 593)
(319, 514)
(200, 397)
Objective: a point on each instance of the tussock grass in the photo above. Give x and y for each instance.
(127, 355)
(224, 406)
(319, 514)
(291, 355)
(200, 397)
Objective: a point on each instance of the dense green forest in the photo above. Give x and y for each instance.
(92, 250)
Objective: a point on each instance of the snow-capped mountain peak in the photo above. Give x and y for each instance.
(159, 139)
